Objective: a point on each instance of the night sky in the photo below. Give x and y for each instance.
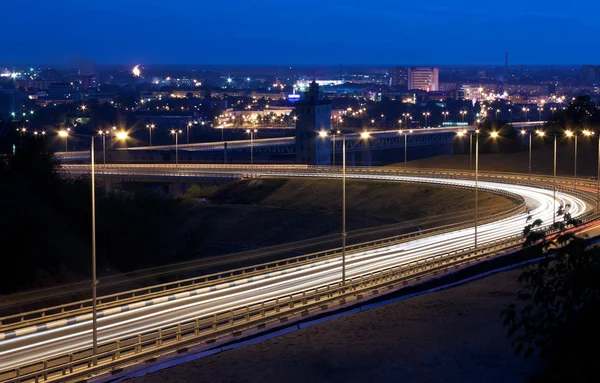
(308, 32)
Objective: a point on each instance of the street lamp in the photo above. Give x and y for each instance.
(150, 127)
(187, 133)
(463, 113)
(252, 133)
(405, 144)
(335, 132)
(383, 117)
(525, 114)
(426, 114)
(64, 133)
(497, 111)
(103, 134)
(574, 134)
(445, 114)
(176, 133)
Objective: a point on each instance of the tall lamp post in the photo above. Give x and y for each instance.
(445, 114)
(526, 114)
(252, 133)
(103, 134)
(476, 183)
(64, 133)
(150, 127)
(176, 133)
(463, 113)
(426, 114)
(405, 144)
(187, 133)
(121, 136)
(335, 132)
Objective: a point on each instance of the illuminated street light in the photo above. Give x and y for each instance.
(252, 133)
(323, 134)
(150, 127)
(364, 135)
(176, 133)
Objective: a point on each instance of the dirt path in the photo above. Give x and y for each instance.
(453, 335)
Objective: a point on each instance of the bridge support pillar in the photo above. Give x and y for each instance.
(109, 185)
(177, 188)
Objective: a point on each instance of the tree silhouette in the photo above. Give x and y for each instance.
(556, 313)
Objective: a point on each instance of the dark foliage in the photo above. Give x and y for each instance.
(556, 314)
(46, 225)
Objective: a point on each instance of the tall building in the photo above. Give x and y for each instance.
(423, 78)
(314, 116)
(398, 76)
(590, 73)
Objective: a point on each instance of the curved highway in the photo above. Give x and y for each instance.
(26, 347)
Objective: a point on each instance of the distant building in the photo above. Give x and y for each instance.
(590, 73)
(398, 76)
(10, 104)
(423, 79)
(314, 116)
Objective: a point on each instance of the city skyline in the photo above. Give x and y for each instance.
(269, 32)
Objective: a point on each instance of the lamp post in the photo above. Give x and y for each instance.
(570, 134)
(103, 134)
(476, 183)
(526, 114)
(405, 144)
(150, 127)
(187, 133)
(123, 136)
(462, 114)
(176, 133)
(497, 111)
(252, 132)
(333, 151)
(426, 114)
(445, 114)
(524, 132)
(511, 116)
(64, 133)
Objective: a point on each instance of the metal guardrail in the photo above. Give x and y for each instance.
(57, 312)
(228, 324)
(20, 320)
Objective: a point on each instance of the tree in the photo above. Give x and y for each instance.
(557, 310)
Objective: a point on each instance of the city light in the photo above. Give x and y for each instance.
(364, 135)
(323, 133)
(63, 133)
(136, 71)
(121, 135)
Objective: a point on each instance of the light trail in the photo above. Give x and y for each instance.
(25, 349)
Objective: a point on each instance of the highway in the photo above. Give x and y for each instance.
(26, 346)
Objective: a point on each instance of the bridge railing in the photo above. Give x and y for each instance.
(207, 330)
(77, 308)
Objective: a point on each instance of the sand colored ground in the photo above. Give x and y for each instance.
(453, 335)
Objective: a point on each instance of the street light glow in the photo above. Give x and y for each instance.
(364, 135)
(323, 134)
(494, 134)
(136, 71)
(122, 135)
(540, 133)
(569, 133)
(63, 133)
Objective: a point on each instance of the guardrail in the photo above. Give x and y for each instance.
(209, 329)
(30, 318)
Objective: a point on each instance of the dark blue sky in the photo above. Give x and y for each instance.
(299, 32)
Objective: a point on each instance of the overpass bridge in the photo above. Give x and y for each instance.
(430, 142)
(427, 141)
